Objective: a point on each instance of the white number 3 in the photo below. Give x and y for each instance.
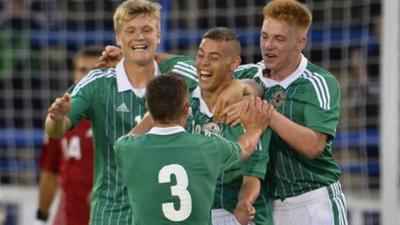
(180, 190)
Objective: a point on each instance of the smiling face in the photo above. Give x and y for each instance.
(281, 45)
(139, 38)
(215, 62)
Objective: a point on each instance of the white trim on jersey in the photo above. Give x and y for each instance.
(123, 82)
(92, 76)
(190, 67)
(268, 82)
(185, 70)
(203, 105)
(166, 130)
(246, 66)
(321, 88)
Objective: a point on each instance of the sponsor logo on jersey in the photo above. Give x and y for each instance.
(278, 98)
(211, 128)
(123, 108)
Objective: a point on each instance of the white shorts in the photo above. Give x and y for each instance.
(223, 217)
(323, 206)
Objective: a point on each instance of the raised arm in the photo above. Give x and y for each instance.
(255, 116)
(233, 94)
(303, 139)
(143, 126)
(56, 122)
(110, 57)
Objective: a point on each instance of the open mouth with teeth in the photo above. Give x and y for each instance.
(270, 55)
(205, 75)
(140, 47)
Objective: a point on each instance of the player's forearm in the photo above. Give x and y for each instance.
(302, 139)
(250, 190)
(57, 128)
(143, 126)
(248, 142)
(250, 87)
(47, 189)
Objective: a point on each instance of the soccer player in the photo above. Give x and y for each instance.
(171, 174)
(303, 176)
(237, 189)
(69, 159)
(113, 100)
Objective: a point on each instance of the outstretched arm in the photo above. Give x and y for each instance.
(233, 94)
(143, 126)
(255, 116)
(56, 122)
(303, 139)
(109, 57)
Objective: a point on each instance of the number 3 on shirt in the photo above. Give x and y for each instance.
(179, 190)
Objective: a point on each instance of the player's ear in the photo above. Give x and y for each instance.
(236, 61)
(158, 37)
(118, 40)
(185, 110)
(302, 43)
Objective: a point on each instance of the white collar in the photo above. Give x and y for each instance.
(123, 83)
(203, 106)
(268, 82)
(166, 130)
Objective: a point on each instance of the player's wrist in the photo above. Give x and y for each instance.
(254, 131)
(56, 118)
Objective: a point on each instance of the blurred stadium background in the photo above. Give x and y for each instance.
(39, 37)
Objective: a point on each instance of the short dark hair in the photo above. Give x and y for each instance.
(89, 51)
(165, 96)
(223, 34)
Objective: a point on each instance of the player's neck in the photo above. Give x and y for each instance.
(210, 96)
(139, 75)
(169, 123)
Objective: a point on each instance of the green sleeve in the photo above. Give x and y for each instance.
(246, 71)
(120, 147)
(82, 96)
(322, 114)
(184, 66)
(230, 153)
(256, 165)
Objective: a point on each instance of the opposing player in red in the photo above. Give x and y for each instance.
(69, 161)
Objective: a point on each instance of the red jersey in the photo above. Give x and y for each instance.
(72, 157)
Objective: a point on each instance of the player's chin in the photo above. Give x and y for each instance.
(269, 64)
(142, 59)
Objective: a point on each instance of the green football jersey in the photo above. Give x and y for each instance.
(310, 97)
(229, 184)
(108, 100)
(171, 174)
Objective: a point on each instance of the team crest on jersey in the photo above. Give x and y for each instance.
(211, 128)
(278, 98)
(190, 111)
